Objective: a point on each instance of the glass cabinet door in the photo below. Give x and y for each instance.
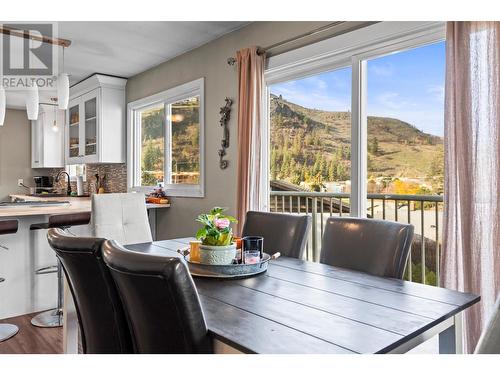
(74, 131)
(90, 108)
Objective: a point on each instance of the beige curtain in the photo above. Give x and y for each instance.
(250, 193)
(471, 243)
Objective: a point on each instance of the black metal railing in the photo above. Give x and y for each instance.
(423, 211)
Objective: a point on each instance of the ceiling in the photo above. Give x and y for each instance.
(126, 48)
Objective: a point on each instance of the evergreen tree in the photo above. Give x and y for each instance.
(317, 164)
(278, 122)
(332, 171)
(340, 153)
(274, 166)
(317, 139)
(341, 172)
(297, 145)
(308, 139)
(304, 172)
(285, 165)
(323, 166)
(152, 161)
(373, 146)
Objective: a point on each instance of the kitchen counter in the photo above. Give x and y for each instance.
(76, 205)
(24, 291)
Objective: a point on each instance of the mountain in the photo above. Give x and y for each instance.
(307, 141)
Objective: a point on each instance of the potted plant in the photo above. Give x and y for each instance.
(217, 245)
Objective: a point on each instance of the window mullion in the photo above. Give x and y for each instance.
(358, 138)
(137, 149)
(167, 160)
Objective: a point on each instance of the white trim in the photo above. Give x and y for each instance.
(266, 150)
(358, 138)
(351, 49)
(167, 151)
(336, 52)
(171, 95)
(167, 97)
(95, 81)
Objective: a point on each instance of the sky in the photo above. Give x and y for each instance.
(407, 85)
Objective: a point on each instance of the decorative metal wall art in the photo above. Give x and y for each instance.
(225, 114)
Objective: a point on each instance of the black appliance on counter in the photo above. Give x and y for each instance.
(44, 184)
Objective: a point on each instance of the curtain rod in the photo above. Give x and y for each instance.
(27, 35)
(232, 60)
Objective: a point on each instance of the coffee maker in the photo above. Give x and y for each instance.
(43, 184)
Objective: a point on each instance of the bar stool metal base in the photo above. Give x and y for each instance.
(7, 331)
(48, 319)
(52, 318)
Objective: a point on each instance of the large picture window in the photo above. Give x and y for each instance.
(166, 139)
(310, 132)
(356, 128)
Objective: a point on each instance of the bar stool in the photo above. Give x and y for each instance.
(7, 330)
(54, 318)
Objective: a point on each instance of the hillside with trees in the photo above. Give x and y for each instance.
(185, 134)
(312, 146)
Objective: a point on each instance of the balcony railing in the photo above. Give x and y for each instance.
(423, 211)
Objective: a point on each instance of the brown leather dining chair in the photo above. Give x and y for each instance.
(103, 326)
(377, 247)
(282, 233)
(161, 302)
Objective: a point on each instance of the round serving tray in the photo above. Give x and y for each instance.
(228, 271)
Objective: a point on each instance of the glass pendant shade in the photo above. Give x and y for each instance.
(32, 101)
(63, 91)
(3, 105)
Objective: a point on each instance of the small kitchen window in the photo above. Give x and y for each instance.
(76, 170)
(165, 133)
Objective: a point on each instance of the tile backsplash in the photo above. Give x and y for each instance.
(115, 178)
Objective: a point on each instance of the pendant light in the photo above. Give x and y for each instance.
(3, 105)
(55, 127)
(63, 88)
(32, 101)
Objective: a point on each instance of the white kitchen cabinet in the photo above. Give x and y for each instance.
(47, 139)
(96, 126)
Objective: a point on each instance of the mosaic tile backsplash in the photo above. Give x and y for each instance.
(115, 178)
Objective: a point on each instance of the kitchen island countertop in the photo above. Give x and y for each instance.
(76, 205)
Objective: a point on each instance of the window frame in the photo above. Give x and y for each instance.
(167, 97)
(351, 49)
(72, 177)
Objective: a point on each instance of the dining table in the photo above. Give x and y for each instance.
(302, 307)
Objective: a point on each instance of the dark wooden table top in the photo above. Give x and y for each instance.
(305, 307)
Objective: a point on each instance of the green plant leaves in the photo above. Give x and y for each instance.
(202, 232)
(209, 233)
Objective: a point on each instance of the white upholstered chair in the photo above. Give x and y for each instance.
(121, 217)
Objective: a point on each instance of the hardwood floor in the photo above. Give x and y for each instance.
(31, 339)
(34, 340)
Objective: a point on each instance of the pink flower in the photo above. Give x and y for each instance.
(221, 223)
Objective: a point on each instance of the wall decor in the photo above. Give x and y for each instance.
(225, 114)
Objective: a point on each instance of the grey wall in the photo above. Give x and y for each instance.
(15, 153)
(221, 80)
